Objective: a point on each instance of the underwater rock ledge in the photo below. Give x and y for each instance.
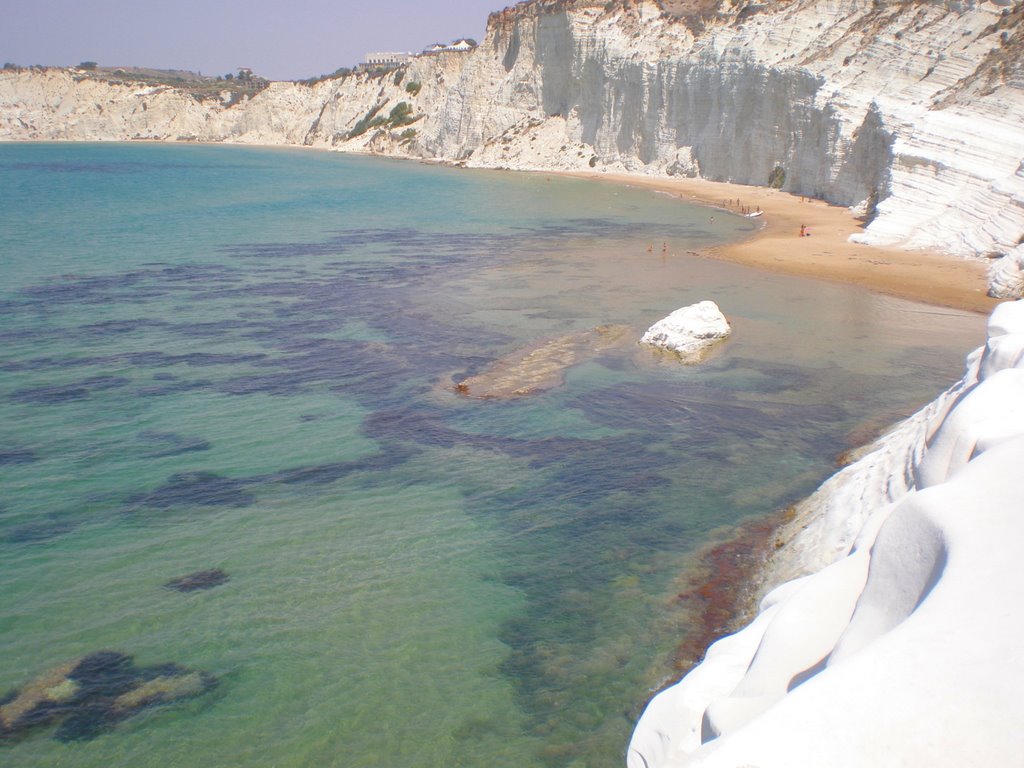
(90, 695)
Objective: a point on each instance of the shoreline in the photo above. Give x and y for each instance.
(926, 276)
(930, 277)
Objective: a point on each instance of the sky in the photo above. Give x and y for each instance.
(280, 40)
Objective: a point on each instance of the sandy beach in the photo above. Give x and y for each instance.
(827, 254)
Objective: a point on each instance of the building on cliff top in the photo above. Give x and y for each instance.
(386, 59)
(463, 44)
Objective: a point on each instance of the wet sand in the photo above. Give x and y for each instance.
(827, 254)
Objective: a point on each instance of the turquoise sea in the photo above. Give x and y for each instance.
(243, 359)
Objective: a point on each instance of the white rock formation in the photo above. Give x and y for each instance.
(908, 110)
(689, 331)
(898, 642)
(1006, 278)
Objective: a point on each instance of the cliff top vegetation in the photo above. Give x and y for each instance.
(201, 87)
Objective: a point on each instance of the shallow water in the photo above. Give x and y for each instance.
(222, 357)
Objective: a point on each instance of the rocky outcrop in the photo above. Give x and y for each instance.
(908, 110)
(690, 331)
(540, 366)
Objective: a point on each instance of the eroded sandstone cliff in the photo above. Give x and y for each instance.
(910, 110)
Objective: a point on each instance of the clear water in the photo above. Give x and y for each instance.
(218, 357)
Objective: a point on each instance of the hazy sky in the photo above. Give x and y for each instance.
(280, 40)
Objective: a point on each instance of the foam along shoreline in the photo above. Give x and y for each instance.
(901, 646)
(828, 254)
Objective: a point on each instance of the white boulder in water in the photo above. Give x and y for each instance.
(689, 331)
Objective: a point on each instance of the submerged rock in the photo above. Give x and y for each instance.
(92, 694)
(164, 688)
(689, 331)
(39, 701)
(193, 582)
(541, 366)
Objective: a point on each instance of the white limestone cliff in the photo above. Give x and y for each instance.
(897, 641)
(908, 110)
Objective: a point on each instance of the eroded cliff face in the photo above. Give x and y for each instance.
(909, 110)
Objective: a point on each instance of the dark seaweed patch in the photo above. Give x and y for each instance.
(173, 388)
(86, 722)
(193, 359)
(754, 376)
(323, 474)
(198, 580)
(271, 384)
(51, 395)
(200, 489)
(102, 690)
(115, 327)
(17, 456)
(37, 532)
(212, 330)
(133, 287)
(412, 425)
(66, 393)
(350, 366)
(163, 444)
(55, 364)
(104, 673)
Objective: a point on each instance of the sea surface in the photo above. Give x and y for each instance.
(243, 359)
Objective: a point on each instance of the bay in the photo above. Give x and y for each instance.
(244, 359)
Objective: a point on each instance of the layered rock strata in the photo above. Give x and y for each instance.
(909, 111)
(895, 642)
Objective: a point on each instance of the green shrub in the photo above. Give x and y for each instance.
(777, 177)
(368, 121)
(401, 114)
(413, 87)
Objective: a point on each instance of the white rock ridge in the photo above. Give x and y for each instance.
(908, 110)
(898, 642)
(689, 331)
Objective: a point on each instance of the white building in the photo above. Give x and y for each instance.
(387, 59)
(459, 45)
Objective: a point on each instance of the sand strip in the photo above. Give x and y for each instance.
(925, 276)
